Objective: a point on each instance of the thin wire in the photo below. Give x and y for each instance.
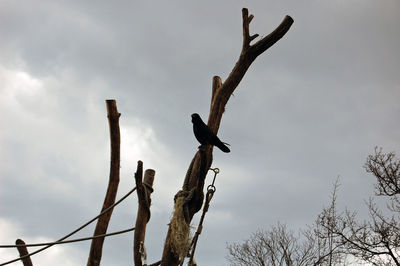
(69, 241)
(70, 234)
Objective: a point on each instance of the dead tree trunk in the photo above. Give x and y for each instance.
(96, 246)
(192, 189)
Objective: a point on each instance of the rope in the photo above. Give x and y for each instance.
(187, 195)
(73, 232)
(69, 241)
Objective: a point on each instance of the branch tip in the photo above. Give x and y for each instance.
(253, 37)
(287, 17)
(250, 18)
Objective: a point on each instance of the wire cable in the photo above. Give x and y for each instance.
(73, 232)
(69, 241)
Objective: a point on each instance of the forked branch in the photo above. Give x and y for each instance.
(223, 91)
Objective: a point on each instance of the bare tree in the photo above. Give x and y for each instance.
(328, 246)
(316, 245)
(386, 169)
(280, 246)
(376, 241)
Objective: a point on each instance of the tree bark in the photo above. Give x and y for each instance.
(221, 92)
(143, 189)
(23, 251)
(96, 246)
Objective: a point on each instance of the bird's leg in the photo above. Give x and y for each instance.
(202, 147)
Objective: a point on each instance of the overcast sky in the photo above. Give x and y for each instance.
(309, 109)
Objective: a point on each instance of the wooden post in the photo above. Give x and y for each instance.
(23, 251)
(221, 92)
(96, 246)
(144, 189)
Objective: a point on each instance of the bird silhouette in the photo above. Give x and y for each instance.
(205, 136)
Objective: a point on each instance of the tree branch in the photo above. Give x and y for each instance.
(248, 54)
(23, 251)
(143, 189)
(96, 246)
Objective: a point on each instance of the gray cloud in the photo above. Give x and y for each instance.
(309, 109)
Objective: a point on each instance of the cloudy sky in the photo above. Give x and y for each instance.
(309, 109)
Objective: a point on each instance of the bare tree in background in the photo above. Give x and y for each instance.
(328, 246)
(277, 246)
(281, 246)
(376, 241)
(316, 245)
(336, 237)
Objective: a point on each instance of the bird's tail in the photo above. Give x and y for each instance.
(223, 146)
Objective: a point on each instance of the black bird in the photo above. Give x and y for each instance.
(204, 134)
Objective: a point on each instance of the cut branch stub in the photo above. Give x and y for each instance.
(144, 189)
(148, 178)
(23, 252)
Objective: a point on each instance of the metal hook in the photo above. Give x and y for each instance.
(212, 186)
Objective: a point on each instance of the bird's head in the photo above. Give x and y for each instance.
(195, 117)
